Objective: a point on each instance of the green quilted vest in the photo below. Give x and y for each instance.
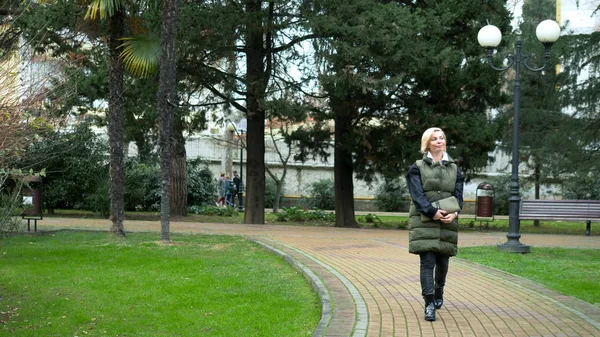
(439, 181)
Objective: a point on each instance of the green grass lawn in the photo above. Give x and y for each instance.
(92, 284)
(573, 272)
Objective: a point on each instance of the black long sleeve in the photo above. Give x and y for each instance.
(458, 189)
(415, 187)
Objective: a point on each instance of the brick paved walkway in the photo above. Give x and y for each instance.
(370, 283)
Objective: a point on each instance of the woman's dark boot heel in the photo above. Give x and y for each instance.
(438, 297)
(429, 308)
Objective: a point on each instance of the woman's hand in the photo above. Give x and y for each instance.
(447, 217)
(440, 214)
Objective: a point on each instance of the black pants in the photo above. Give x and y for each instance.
(433, 263)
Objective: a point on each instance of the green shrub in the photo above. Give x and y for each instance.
(143, 189)
(581, 187)
(373, 219)
(291, 214)
(403, 224)
(213, 210)
(296, 214)
(322, 194)
(392, 195)
(10, 202)
(99, 200)
(320, 215)
(370, 218)
(201, 186)
(73, 161)
(501, 186)
(142, 186)
(270, 189)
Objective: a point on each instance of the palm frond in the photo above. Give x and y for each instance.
(102, 8)
(141, 54)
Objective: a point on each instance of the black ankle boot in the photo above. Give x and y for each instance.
(438, 297)
(429, 308)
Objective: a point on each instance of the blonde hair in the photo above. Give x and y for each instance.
(426, 138)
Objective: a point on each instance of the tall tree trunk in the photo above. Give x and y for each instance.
(278, 184)
(116, 123)
(279, 189)
(166, 99)
(255, 168)
(179, 190)
(257, 76)
(343, 170)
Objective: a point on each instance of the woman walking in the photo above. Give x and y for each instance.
(436, 187)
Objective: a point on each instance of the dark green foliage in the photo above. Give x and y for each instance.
(581, 186)
(201, 186)
(580, 93)
(142, 186)
(98, 200)
(321, 194)
(392, 195)
(543, 128)
(11, 201)
(559, 120)
(501, 186)
(374, 219)
(270, 189)
(34, 23)
(75, 164)
(391, 71)
(142, 189)
(81, 44)
(296, 214)
(371, 218)
(290, 214)
(77, 174)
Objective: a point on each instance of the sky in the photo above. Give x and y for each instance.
(576, 16)
(580, 19)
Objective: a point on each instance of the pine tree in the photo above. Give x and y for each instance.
(390, 71)
(542, 125)
(580, 99)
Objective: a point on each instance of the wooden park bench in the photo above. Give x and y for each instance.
(566, 210)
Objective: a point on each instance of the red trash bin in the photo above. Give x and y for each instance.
(484, 201)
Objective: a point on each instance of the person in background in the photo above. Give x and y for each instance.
(228, 191)
(237, 182)
(433, 231)
(221, 189)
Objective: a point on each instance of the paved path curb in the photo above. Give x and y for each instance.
(316, 283)
(373, 282)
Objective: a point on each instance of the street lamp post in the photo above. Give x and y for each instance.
(241, 126)
(227, 164)
(489, 37)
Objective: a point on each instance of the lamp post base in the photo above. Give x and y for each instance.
(512, 247)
